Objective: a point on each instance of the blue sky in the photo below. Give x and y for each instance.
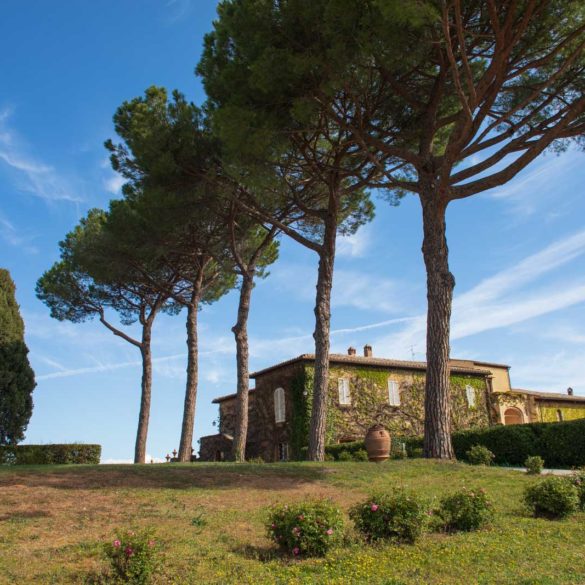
(518, 252)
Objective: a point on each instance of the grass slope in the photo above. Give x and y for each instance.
(53, 521)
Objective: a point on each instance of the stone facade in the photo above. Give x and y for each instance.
(481, 395)
(368, 387)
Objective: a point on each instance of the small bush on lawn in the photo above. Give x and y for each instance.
(399, 516)
(534, 465)
(464, 511)
(578, 480)
(308, 529)
(255, 461)
(133, 557)
(479, 455)
(361, 455)
(345, 456)
(553, 497)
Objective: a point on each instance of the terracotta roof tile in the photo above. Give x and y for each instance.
(549, 395)
(372, 361)
(228, 397)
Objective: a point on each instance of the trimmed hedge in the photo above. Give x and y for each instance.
(560, 444)
(50, 454)
(412, 444)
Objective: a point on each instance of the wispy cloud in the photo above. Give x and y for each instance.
(553, 371)
(176, 10)
(31, 175)
(499, 301)
(114, 184)
(533, 188)
(351, 288)
(356, 245)
(503, 299)
(15, 237)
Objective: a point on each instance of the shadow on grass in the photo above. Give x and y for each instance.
(263, 554)
(164, 476)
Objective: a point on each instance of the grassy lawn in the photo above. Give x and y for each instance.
(53, 521)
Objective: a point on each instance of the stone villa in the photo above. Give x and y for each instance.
(364, 390)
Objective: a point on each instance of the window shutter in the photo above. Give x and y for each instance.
(393, 393)
(470, 393)
(279, 406)
(344, 393)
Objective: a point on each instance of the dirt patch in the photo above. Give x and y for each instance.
(24, 515)
(164, 477)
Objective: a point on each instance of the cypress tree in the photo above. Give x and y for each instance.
(17, 379)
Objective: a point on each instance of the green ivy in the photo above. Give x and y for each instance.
(369, 407)
(302, 400)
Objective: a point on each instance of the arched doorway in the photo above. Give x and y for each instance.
(513, 416)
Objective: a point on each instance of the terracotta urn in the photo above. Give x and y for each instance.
(378, 443)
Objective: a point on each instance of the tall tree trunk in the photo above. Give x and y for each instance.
(240, 330)
(146, 390)
(440, 284)
(186, 443)
(318, 424)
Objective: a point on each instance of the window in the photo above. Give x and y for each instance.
(344, 393)
(470, 393)
(279, 409)
(283, 451)
(393, 393)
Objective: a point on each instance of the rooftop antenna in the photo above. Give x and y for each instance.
(412, 351)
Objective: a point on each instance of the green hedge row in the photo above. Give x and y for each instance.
(560, 444)
(413, 446)
(50, 454)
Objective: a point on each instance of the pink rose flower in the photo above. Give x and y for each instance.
(330, 531)
(273, 526)
(129, 551)
(151, 543)
(374, 507)
(296, 550)
(117, 543)
(301, 517)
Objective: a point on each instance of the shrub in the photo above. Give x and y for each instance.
(465, 510)
(479, 455)
(133, 556)
(416, 453)
(57, 454)
(398, 450)
(309, 529)
(360, 455)
(560, 444)
(578, 480)
(345, 456)
(534, 465)
(255, 460)
(399, 516)
(553, 497)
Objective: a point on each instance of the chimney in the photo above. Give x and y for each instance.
(570, 391)
(351, 351)
(368, 351)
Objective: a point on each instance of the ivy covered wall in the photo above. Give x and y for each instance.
(369, 404)
(550, 413)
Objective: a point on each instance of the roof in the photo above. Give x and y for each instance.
(555, 396)
(375, 362)
(228, 397)
(478, 363)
